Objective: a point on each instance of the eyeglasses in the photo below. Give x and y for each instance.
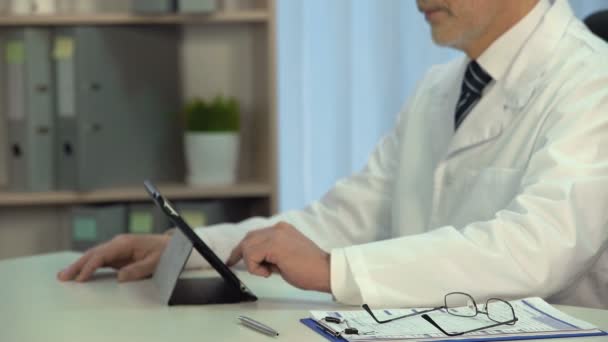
(463, 305)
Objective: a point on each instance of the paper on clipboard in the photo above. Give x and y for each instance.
(536, 319)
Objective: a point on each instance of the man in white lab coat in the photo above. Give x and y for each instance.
(494, 180)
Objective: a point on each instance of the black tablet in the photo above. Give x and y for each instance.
(230, 289)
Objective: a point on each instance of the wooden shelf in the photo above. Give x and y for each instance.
(253, 16)
(133, 194)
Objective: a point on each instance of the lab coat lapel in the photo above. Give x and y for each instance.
(510, 96)
(485, 122)
(442, 108)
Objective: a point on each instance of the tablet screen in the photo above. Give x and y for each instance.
(198, 244)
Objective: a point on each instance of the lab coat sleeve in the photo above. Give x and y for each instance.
(550, 234)
(355, 211)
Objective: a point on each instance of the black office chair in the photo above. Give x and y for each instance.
(598, 24)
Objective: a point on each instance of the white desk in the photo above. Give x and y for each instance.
(34, 307)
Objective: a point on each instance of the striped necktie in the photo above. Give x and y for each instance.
(475, 80)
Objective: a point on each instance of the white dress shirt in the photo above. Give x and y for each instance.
(513, 204)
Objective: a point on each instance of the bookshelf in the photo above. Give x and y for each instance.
(239, 43)
(133, 194)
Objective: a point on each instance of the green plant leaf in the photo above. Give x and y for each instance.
(218, 115)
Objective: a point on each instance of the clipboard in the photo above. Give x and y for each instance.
(313, 325)
(227, 288)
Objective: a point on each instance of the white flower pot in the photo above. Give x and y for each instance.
(44, 6)
(21, 7)
(235, 5)
(211, 158)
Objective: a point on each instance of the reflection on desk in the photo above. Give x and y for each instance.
(37, 307)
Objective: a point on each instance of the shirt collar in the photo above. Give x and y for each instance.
(497, 58)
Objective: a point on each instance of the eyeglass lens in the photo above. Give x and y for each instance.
(463, 305)
(499, 311)
(460, 304)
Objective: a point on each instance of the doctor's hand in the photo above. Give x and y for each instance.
(283, 249)
(135, 256)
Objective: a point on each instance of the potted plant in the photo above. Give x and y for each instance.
(211, 141)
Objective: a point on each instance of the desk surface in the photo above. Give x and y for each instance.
(35, 307)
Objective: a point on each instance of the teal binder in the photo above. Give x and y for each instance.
(3, 124)
(92, 225)
(29, 107)
(154, 6)
(167, 6)
(66, 150)
(118, 96)
(193, 6)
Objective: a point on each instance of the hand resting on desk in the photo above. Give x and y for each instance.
(280, 248)
(134, 256)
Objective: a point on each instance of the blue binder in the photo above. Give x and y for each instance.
(92, 225)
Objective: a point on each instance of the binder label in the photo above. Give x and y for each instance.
(63, 52)
(15, 102)
(140, 223)
(194, 218)
(64, 48)
(66, 102)
(15, 52)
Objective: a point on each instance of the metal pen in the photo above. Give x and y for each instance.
(257, 326)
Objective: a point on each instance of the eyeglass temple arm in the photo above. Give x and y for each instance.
(430, 320)
(369, 311)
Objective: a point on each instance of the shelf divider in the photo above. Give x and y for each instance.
(133, 194)
(245, 17)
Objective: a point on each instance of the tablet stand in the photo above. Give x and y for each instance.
(190, 291)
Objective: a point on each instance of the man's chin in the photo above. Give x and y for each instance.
(449, 42)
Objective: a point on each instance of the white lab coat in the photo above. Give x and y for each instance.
(514, 204)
